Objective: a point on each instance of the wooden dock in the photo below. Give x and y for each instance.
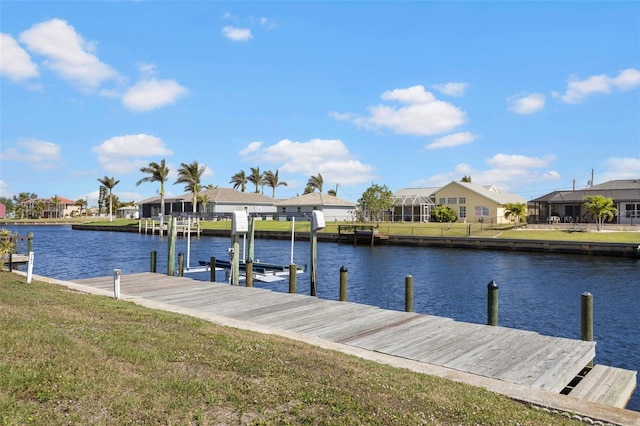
(514, 356)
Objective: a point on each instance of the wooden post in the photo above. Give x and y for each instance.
(29, 242)
(181, 264)
(248, 273)
(212, 269)
(492, 303)
(343, 283)
(154, 255)
(235, 260)
(408, 293)
(293, 278)
(116, 283)
(14, 246)
(586, 319)
(250, 238)
(171, 256)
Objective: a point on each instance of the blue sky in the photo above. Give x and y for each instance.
(527, 96)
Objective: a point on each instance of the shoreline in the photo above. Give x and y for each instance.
(628, 250)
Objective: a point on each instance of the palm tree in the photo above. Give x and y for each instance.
(239, 180)
(516, 211)
(600, 208)
(273, 181)
(82, 203)
(190, 174)
(315, 182)
(55, 200)
(157, 173)
(255, 178)
(466, 178)
(109, 183)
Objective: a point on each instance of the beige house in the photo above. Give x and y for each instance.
(476, 203)
(51, 208)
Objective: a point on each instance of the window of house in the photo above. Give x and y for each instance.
(462, 200)
(452, 200)
(299, 209)
(441, 201)
(481, 211)
(463, 212)
(284, 210)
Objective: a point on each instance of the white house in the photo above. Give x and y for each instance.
(334, 208)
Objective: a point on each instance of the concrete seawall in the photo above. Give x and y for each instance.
(629, 250)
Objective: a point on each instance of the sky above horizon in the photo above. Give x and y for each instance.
(527, 96)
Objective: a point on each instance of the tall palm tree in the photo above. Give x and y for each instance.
(157, 173)
(82, 203)
(315, 182)
(239, 180)
(109, 183)
(273, 181)
(255, 178)
(516, 211)
(190, 175)
(600, 208)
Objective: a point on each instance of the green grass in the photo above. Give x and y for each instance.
(71, 358)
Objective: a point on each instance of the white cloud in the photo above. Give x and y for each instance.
(507, 172)
(331, 158)
(251, 148)
(451, 89)
(526, 104)
(67, 53)
(620, 168)
(124, 154)
(578, 90)
(421, 113)
(41, 155)
(268, 24)
(236, 34)
(452, 140)
(16, 63)
(151, 94)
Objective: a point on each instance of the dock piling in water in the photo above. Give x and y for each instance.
(408, 293)
(212, 269)
(181, 264)
(293, 278)
(492, 303)
(154, 256)
(248, 265)
(344, 276)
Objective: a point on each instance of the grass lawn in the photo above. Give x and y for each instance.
(71, 358)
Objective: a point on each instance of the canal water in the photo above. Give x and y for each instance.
(538, 292)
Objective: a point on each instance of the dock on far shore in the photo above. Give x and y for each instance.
(544, 370)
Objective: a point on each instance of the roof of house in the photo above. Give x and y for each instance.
(232, 196)
(413, 196)
(488, 191)
(49, 200)
(315, 199)
(619, 190)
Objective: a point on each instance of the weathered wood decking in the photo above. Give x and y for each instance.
(515, 356)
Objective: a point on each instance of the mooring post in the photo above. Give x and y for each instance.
(181, 264)
(492, 303)
(586, 319)
(154, 256)
(116, 283)
(248, 280)
(171, 241)
(408, 293)
(212, 269)
(344, 275)
(317, 223)
(293, 278)
(29, 242)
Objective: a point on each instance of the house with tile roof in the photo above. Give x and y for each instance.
(473, 202)
(568, 205)
(333, 208)
(52, 208)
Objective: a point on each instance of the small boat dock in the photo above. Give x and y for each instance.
(522, 364)
(359, 234)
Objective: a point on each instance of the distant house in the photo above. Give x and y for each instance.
(3, 211)
(215, 203)
(568, 205)
(128, 212)
(413, 204)
(333, 208)
(51, 208)
(473, 202)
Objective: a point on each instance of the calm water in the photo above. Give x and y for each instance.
(538, 292)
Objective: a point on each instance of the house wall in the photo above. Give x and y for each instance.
(475, 205)
(331, 214)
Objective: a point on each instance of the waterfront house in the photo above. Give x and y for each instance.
(413, 204)
(51, 208)
(473, 202)
(128, 212)
(333, 208)
(567, 206)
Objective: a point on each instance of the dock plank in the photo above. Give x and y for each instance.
(516, 356)
(606, 385)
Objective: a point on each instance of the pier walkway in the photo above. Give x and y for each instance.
(521, 364)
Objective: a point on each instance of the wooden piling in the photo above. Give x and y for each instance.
(586, 319)
(171, 256)
(212, 269)
(181, 264)
(293, 278)
(248, 280)
(29, 242)
(154, 255)
(343, 283)
(408, 293)
(492, 303)
(314, 264)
